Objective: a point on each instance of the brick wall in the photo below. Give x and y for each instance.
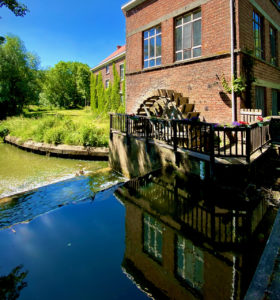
(196, 78)
(110, 75)
(262, 69)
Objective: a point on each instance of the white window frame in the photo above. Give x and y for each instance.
(122, 72)
(148, 38)
(154, 228)
(182, 25)
(107, 69)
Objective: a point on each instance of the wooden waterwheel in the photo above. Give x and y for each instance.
(167, 104)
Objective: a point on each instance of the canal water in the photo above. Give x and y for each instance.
(161, 236)
(21, 171)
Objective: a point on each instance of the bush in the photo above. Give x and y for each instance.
(54, 135)
(3, 131)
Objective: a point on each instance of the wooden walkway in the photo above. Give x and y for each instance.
(207, 141)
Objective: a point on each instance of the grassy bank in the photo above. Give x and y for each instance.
(71, 127)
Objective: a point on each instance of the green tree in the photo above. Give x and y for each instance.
(107, 98)
(66, 85)
(100, 93)
(18, 76)
(93, 92)
(83, 82)
(115, 97)
(16, 7)
(121, 108)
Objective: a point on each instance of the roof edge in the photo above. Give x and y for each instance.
(104, 63)
(131, 4)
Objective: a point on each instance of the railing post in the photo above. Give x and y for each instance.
(212, 151)
(248, 144)
(175, 139)
(111, 125)
(126, 125)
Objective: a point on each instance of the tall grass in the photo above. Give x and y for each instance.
(58, 129)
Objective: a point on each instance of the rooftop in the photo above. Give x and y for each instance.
(118, 53)
(131, 4)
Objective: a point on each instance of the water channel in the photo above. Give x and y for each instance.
(162, 236)
(22, 171)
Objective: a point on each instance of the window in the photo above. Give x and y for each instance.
(188, 36)
(275, 102)
(107, 83)
(107, 69)
(190, 263)
(152, 47)
(273, 46)
(153, 237)
(122, 72)
(258, 35)
(260, 98)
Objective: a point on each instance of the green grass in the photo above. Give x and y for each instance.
(71, 127)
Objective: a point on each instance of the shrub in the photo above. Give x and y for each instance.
(54, 135)
(3, 131)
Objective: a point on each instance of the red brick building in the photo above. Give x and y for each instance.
(185, 46)
(106, 66)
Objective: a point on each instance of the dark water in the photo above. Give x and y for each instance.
(162, 235)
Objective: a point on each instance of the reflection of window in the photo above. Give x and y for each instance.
(258, 35)
(190, 263)
(153, 237)
(188, 36)
(273, 45)
(152, 47)
(122, 72)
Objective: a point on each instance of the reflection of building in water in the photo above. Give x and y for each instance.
(180, 244)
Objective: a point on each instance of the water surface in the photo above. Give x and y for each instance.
(21, 170)
(161, 235)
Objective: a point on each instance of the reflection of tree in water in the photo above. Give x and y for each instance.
(12, 284)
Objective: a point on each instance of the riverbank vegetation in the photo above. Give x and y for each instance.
(71, 127)
(64, 104)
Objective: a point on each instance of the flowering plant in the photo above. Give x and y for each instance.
(259, 118)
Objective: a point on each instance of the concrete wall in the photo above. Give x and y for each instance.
(135, 157)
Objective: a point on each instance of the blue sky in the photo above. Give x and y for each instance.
(64, 30)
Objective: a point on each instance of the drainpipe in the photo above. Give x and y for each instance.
(233, 98)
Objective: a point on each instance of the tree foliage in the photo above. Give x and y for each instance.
(16, 7)
(109, 99)
(66, 85)
(19, 79)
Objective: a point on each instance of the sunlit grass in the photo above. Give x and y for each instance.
(72, 127)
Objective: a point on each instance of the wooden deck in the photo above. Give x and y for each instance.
(207, 141)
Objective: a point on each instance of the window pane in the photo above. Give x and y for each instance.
(179, 56)
(152, 31)
(187, 18)
(197, 15)
(179, 21)
(146, 54)
(158, 30)
(187, 33)
(158, 61)
(146, 34)
(196, 52)
(197, 33)
(178, 34)
(152, 47)
(158, 43)
(187, 54)
(146, 64)
(152, 63)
